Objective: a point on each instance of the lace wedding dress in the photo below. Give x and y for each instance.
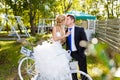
(51, 61)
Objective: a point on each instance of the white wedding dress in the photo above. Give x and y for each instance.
(51, 61)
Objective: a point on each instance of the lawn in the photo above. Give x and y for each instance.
(9, 56)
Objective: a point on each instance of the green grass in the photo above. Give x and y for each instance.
(9, 56)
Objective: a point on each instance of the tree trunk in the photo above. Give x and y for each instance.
(107, 5)
(32, 25)
(6, 11)
(32, 18)
(112, 10)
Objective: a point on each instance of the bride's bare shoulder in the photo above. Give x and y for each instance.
(55, 28)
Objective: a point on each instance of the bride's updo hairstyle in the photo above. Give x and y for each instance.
(59, 19)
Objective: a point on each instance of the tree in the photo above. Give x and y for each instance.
(16, 6)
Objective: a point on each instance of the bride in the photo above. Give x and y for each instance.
(50, 59)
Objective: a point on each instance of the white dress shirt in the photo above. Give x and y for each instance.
(73, 40)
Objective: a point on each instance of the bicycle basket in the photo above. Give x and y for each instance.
(26, 51)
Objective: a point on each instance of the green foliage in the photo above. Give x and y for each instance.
(37, 39)
(117, 59)
(31, 39)
(101, 53)
(42, 37)
(57, 6)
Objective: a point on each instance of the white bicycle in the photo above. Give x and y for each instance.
(26, 67)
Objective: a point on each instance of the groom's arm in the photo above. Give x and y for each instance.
(83, 42)
(83, 34)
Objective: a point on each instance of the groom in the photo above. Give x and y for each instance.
(72, 43)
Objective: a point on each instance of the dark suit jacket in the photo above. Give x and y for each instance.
(78, 36)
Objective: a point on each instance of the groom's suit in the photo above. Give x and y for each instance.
(78, 54)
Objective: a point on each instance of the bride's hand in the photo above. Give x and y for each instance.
(68, 33)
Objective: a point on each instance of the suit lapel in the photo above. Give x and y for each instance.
(76, 36)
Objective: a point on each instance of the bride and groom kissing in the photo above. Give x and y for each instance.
(50, 59)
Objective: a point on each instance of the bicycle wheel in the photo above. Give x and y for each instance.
(26, 68)
(85, 75)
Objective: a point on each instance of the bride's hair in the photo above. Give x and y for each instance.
(59, 24)
(59, 19)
